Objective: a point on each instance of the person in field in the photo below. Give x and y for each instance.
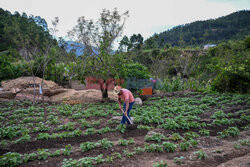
(128, 100)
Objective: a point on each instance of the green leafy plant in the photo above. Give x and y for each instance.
(153, 148)
(43, 136)
(67, 150)
(8, 132)
(29, 157)
(176, 137)
(99, 159)
(160, 164)
(43, 154)
(106, 143)
(122, 142)
(155, 137)
(244, 142)
(77, 132)
(23, 139)
(90, 131)
(218, 115)
(11, 159)
(170, 124)
(87, 146)
(178, 160)
(121, 128)
(190, 135)
(184, 146)
(231, 131)
(128, 154)
(56, 153)
(144, 127)
(70, 162)
(139, 150)
(104, 130)
(3, 143)
(204, 132)
(109, 159)
(193, 142)
(169, 147)
(116, 155)
(200, 154)
(236, 145)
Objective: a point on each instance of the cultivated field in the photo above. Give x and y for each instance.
(178, 129)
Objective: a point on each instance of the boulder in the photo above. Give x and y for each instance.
(15, 90)
(138, 101)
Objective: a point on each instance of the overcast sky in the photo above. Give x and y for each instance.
(146, 16)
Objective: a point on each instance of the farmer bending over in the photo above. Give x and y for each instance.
(128, 99)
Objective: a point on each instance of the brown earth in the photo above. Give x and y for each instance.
(220, 152)
(23, 88)
(27, 82)
(72, 96)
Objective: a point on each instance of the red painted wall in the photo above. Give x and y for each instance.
(93, 83)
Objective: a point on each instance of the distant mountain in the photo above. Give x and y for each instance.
(74, 47)
(213, 31)
(78, 48)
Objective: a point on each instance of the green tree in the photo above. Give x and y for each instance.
(136, 42)
(98, 39)
(124, 44)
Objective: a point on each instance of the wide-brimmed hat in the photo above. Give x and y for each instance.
(117, 90)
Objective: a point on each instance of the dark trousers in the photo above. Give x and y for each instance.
(124, 118)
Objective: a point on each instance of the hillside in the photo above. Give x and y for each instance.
(233, 26)
(22, 34)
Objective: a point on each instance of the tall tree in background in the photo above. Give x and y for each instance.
(136, 41)
(124, 44)
(98, 39)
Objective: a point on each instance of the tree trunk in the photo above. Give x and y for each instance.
(45, 109)
(104, 89)
(105, 93)
(34, 93)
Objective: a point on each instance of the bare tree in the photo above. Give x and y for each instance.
(188, 61)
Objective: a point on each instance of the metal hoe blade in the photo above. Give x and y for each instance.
(131, 122)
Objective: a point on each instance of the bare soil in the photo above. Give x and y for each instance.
(220, 152)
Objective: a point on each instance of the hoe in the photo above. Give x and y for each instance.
(131, 125)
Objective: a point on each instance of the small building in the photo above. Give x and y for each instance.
(208, 46)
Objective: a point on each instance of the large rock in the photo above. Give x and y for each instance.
(138, 101)
(15, 90)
